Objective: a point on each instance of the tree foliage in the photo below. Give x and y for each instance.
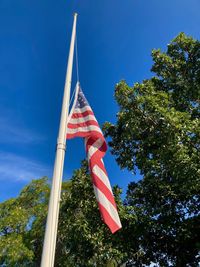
(22, 223)
(158, 132)
(83, 239)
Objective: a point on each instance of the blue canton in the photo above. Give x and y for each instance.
(81, 100)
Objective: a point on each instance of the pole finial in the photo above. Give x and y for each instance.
(75, 14)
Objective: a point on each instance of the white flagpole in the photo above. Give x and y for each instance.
(48, 253)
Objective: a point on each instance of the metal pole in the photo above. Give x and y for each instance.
(48, 253)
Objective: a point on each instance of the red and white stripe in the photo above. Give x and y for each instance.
(82, 123)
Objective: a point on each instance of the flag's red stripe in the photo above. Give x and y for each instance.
(82, 114)
(108, 219)
(103, 188)
(98, 155)
(92, 140)
(84, 134)
(102, 167)
(95, 160)
(82, 124)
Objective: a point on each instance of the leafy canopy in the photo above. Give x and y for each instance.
(22, 223)
(158, 132)
(83, 239)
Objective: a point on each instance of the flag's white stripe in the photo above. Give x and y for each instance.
(102, 176)
(96, 145)
(84, 119)
(85, 142)
(101, 198)
(81, 110)
(84, 129)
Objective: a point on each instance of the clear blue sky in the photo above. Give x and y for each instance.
(115, 38)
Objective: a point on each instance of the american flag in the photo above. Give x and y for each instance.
(82, 123)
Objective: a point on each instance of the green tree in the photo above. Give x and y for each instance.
(22, 222)
(83, 238)
(158, 132)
